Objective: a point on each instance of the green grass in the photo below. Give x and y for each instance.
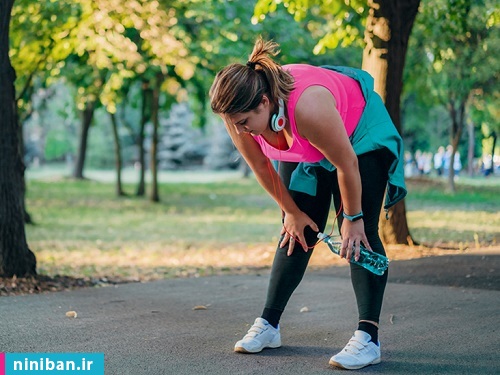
(236, 211)
(471, 215)
(83, 229)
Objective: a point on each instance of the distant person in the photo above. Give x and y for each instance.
(330, 134)
(439, 161)
(427, 167)
(420, 160)
(424, 161)
(457, 163)
(409, 164)
(487, 165)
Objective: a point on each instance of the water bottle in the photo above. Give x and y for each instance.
(372, 261)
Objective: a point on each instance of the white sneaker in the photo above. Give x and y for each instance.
(358, 353)
(260, 336)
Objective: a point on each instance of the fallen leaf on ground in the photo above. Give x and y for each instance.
(200, 307)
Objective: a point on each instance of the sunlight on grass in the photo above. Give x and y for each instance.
(140, 261)
(83, 230)
(455, 226)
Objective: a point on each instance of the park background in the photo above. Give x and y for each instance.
(130, 177)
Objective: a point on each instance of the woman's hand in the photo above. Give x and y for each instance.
(353, 233)
(293, 230)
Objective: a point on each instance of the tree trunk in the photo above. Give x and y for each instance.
(87, 115)
(145, 116)
(470, 149)
(155, 117)
(26, 94)
(118, 156)
(27, 216)
(388, 29)
(457, 116)
(492, 167)
(15, 256)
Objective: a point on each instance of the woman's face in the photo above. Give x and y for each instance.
(254, 122)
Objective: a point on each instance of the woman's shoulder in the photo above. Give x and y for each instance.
(315, 105)
(315, 95)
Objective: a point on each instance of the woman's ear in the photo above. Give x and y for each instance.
(265, 100)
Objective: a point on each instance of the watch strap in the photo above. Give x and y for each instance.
(353, 217)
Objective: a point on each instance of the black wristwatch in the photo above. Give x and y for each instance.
(353, 217)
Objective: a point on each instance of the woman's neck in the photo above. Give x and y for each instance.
(276, 139)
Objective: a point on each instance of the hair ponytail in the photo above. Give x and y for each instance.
(280, 83)
(239, 88)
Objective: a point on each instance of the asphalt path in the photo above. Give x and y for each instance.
(189, 326)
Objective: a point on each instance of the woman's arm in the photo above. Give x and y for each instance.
(295, 219)
(320, 123)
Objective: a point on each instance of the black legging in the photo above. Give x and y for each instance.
(287, 271)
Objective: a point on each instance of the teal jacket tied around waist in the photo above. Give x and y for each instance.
(375, 131)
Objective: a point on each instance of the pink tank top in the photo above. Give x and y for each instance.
(348, 97)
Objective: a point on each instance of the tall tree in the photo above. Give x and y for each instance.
(387, 32)
(118, 155)
(15, 256)
(155, 117)
(134, 40)
(86, 116)
(36, 29)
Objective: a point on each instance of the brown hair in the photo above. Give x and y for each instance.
(239, 88)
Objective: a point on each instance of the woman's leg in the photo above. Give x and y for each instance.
(368, 287)
(287, 271)
(363, 348)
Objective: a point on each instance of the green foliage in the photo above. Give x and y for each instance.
(451, 58)
(425, 126)
(99, 46)
(484, 113)
(40, 34)
(40, 42)
(334, 23)
(213, 42)
(122, 40)
(458, 53)
(57, 145)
